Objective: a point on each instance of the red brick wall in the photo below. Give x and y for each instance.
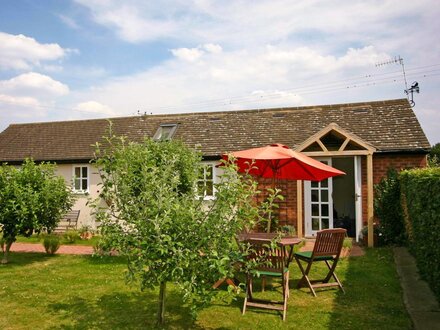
(381, 163)
(286, 213)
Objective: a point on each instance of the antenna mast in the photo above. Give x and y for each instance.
(415, 85)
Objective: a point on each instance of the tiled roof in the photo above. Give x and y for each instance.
(387, 125)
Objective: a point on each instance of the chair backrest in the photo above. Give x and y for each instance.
(268, 257)
(329, 242)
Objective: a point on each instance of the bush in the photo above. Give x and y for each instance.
(421, 200)
(388, 208)
(51, 243)
(71, 235)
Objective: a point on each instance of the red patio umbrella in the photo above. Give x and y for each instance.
(278, 161)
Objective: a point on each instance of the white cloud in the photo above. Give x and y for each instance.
(19, 52)
(94, 108)
(20, 108)
(187, 54)
(69, 21)
(133, 22)
(268, 76)
(193, 54)
(33, 83)
(213, 48)
(8, 100)
(29, 95)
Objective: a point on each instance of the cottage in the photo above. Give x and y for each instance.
(362, 139)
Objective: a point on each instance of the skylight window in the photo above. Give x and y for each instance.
(165, 132)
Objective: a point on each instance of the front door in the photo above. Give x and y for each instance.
(318, 203)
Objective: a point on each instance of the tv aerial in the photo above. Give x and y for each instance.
(408, 91)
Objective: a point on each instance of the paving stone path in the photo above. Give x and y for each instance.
(64, 249)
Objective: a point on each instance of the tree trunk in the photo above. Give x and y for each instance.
(161, 310)
(6, 252)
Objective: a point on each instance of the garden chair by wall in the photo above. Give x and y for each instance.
(270, 261)
(328, 246)
(68, 221)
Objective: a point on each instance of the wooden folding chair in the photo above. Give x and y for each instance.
(271, 261)
(327, 248)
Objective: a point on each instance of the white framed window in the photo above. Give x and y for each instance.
(81, 178)
(205, 184)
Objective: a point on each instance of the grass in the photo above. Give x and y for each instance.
(39, 239)
(83, 292)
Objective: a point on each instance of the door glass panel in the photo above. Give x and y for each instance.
(315, 210)
(324, 196)
(319, 204)
(315, 194)
(315, 223)
(324, 210)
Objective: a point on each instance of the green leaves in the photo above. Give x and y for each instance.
(421, 197)
(388, 208)
(32, 199)
(156, 220)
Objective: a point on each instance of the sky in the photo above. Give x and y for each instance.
(81, 59)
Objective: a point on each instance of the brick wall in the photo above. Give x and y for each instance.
(381, 163)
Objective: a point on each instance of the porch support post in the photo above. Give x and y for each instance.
(370, 210)
(299, 210)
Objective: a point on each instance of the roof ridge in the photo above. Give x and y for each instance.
(213, 113)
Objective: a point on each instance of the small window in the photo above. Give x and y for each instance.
(81, 179)
(205, 183)
(165, 132)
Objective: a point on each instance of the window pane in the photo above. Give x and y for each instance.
(315, 224)
(77, 184)
(201, 188)
(77, 172)
(209, 188)
(84, 172)
(315, 210)
(324, 223)
(324, 195)
(324, 210)
(315, 194)
(209, 172)
(324, 183)
(84, 184)
(314, 184)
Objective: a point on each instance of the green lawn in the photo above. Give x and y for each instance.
(39, 239)
(81, 292)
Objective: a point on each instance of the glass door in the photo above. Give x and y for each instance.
(318, 203)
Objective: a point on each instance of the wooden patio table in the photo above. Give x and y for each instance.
(284, 242)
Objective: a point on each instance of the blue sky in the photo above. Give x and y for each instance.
(78, 59)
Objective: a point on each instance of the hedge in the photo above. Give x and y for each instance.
(421, 203)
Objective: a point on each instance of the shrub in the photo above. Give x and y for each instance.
(388, 208)
(51, 243)
(32, 200)
(421, 199)
(71, 235)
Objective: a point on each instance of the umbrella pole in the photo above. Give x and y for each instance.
(269, 220)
